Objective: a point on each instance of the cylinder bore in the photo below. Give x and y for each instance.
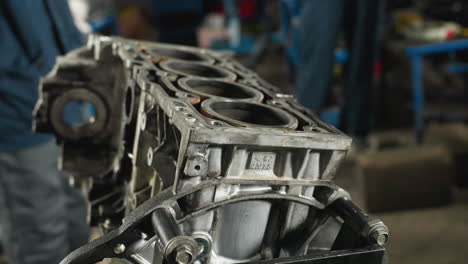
(179, 53)
(220, 89)
(78, 114)
(245, 114)
(197, 70)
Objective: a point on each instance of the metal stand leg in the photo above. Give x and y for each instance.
(418, 97)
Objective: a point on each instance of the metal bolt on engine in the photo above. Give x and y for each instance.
(380, 235)
(184, 254)
(119, 249)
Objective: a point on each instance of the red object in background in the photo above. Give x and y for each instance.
(247, 8)
(449, 35)
(378, 68)
(217, 8)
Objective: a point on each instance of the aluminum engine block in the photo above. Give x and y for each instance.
(186, 156)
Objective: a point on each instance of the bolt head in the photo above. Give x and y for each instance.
(119, 249)
(380, 237)
(183, 257)
(107, 223)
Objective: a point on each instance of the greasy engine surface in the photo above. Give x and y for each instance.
(190, 157)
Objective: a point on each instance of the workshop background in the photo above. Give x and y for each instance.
(410, 167)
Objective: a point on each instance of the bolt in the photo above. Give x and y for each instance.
(183, 257)
(107, 223)
(119, 249)
(379, 236)
(184, 254)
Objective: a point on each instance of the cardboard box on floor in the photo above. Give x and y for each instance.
(455, 138)
(402, 175)
(406, 178)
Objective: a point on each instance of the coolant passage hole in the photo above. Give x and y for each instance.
(196, 69)
(250, 113)
(79, 114)
(221, 89)
(177, 54)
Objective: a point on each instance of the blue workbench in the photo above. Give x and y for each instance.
(417, 53)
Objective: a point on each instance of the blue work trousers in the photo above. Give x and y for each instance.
(42, 218)
(321, 24)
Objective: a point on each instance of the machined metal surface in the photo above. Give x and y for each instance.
(190, 157)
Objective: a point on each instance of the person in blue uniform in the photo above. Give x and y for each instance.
(320, 26)
(177, 20)
(42, 218)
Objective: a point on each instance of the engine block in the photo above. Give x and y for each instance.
(187, 156)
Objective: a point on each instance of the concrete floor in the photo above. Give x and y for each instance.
(429, 236)
(422, 236)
